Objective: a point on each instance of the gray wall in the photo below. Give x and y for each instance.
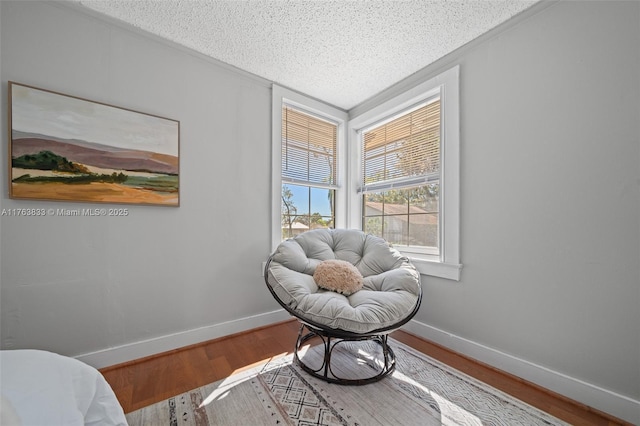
(550, 194)
(550, 190)
(80, 284)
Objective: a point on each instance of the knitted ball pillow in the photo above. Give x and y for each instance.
(339, 276)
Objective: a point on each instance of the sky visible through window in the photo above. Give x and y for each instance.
(319, 200)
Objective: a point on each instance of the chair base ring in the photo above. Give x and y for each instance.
(387, 363)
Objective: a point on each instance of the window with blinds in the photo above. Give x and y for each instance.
(401, 177)
(308, 148)
(309, 172)
(403, 149)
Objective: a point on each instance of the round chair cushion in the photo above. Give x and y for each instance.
(391, 284)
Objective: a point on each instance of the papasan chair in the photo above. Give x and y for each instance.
(389, 296)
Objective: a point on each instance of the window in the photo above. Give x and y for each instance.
(309, 171)
(404, 164)
(394, 172)
(307, 162)
(401, 178)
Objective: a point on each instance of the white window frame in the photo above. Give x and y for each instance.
(446, 85)
(283, 96)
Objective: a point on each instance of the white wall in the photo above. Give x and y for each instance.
(76, 285)
(550, 183)
(550, 200)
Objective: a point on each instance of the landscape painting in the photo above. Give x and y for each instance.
(67, 148)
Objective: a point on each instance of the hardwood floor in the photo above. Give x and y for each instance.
(143, 382)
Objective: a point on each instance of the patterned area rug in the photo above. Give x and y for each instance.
(422, 391)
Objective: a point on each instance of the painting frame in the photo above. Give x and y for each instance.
(68, 148)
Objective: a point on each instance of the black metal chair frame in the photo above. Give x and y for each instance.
(327, 334)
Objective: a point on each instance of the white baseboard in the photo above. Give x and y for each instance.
(144, 348)
(593, 396)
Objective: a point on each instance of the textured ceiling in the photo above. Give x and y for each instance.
(342, 52)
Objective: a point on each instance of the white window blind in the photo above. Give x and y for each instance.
(309, 148)
(404, 151)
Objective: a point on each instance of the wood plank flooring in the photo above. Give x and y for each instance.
(143, 382)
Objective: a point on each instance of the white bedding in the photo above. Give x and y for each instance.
(43, 388)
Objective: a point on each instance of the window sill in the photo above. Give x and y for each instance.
(450, 271)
